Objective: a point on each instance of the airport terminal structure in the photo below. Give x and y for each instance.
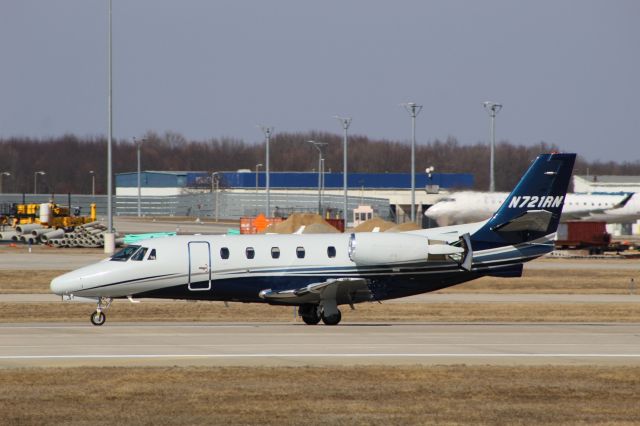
(388, 193)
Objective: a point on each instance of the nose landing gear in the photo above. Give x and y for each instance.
(98, 317)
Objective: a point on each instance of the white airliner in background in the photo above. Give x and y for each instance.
(468, 206)
(319, 272)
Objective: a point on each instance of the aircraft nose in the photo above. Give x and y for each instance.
(433, 212)
(65, 284)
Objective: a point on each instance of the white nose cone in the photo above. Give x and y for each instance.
(66, 284)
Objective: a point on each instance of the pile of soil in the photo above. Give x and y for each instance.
(373, 223)
(320, 228)
(313, 223)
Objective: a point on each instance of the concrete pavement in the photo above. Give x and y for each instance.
(257, 344)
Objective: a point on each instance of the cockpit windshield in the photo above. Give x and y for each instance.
(124, 254)
(139, 255)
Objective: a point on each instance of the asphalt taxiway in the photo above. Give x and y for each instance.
(262, 344)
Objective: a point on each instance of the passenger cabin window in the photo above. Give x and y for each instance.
(251, 253)
(300, 252)
(275, 252)
(331, 251)
(152, 255)
(139, 254)
(224, 253)
(124, 254)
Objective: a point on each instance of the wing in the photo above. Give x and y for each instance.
(343, 290)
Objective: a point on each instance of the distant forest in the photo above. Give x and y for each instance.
(67, 160)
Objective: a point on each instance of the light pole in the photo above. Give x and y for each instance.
(268, 131)
(138, 144)
(214, 188)
(318, 146)
(93, 182)
(413, 109)
(2, 175)
(35, 180)
(257, 174)
(109, 237)
(492, 108)
(346, 122)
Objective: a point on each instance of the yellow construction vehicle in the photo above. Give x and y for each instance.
(46, 214)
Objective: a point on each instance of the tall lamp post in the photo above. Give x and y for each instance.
(93, 182)
(318, 146)
(493, 109)
(35, 180)
(345, 122)
(413, 109)
(268, 131)
(109, 236)
(138, 144)
(257, 175)
(2, 175)
(215, 186)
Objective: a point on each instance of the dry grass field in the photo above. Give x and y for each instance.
(23, 282)
(305, 395)
(122, 310)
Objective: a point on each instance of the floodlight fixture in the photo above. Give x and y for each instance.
(492, 108)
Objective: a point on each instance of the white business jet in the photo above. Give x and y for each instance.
(320, 272)
(469, 206)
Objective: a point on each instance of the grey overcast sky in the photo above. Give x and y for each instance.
(567, 72)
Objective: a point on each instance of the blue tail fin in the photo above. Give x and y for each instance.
(533, 208)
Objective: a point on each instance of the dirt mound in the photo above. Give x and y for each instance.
(407, 226)
(371, 224)
(320, 228)
(313, 224)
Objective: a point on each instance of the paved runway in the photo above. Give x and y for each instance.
(270, 344)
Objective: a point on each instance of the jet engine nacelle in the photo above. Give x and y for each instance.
(388, 248)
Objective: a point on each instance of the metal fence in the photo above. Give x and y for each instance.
(229, 205)
(220, 204)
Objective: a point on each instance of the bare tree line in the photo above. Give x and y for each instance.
(68, 160)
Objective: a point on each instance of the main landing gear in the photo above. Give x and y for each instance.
(98, 317)
(312, 314)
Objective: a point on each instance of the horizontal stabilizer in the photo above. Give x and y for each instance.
(530, 220)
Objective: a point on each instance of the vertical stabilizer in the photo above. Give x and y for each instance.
(532, 210)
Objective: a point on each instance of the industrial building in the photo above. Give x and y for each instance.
(364, 188)
(606, 183)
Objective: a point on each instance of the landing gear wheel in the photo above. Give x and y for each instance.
(309, 314)
(332, 319)
(98, 318)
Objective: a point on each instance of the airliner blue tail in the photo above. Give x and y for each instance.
(532, 210)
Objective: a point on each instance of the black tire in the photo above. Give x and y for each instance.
(311, 319)
(309, 314)
(332, 319)
(98, 318)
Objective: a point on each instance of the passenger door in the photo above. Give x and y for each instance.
(199, 266)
